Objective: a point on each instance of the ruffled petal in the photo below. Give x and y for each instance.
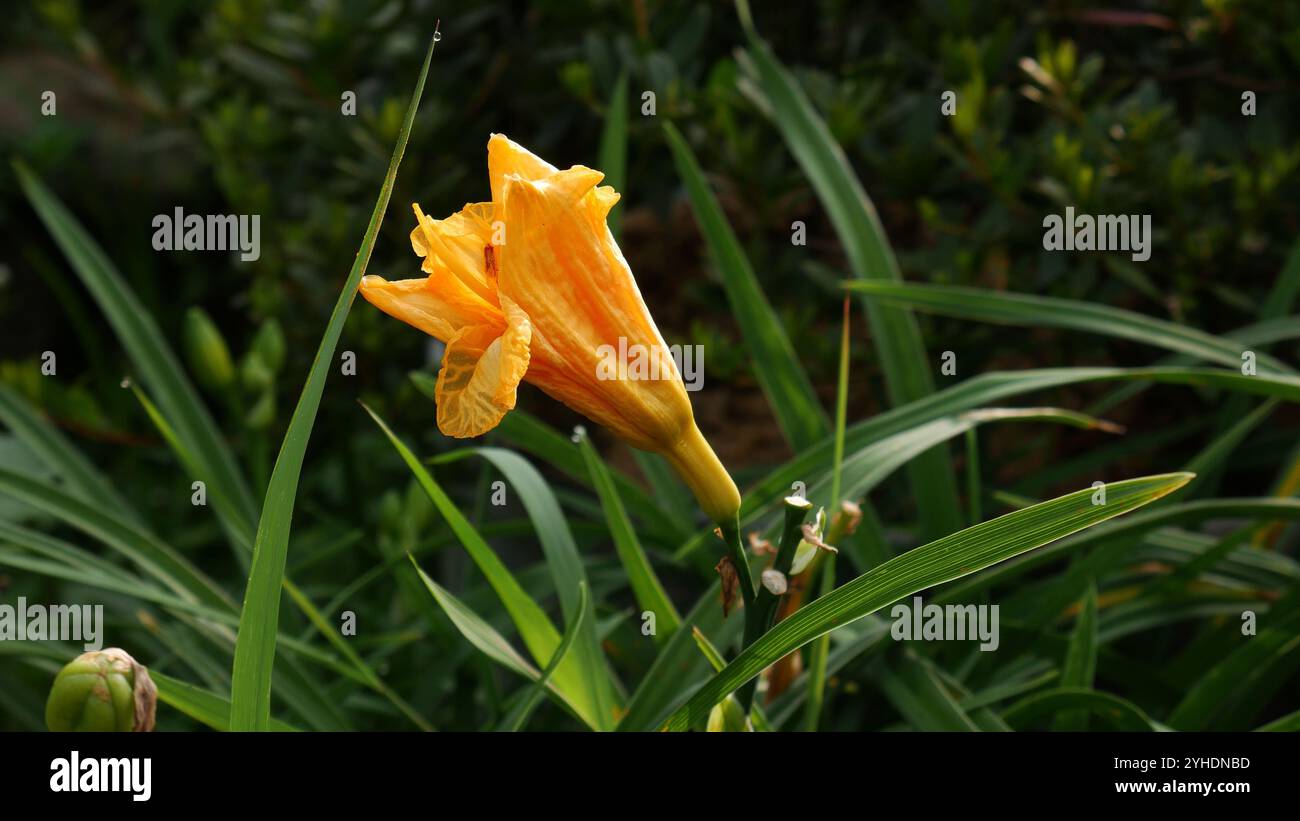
(480, 374)
(455, 244)
(440, 304)
(506, 157)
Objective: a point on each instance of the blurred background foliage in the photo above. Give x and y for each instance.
(235, 107)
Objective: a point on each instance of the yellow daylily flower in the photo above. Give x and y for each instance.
(532, 286)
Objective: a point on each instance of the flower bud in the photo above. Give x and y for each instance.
(728, 717)
(207, 352)
(254, 373)
(102, 691)
(269, 344)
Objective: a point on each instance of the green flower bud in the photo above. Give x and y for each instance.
(255, 374)
(727, 717)
(207, 352)
(262, 414)
(102, 691)
(269, 344)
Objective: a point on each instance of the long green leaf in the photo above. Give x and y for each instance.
(154, 361)
(1119, 713)
(580, 624)
(990, 387)
(562, 558)
(641, 576)
(1052, 312)
(1236, 677)
(782, 378)
(557, 451)
(152, 555)
(1147, 520)
(534, 626)
(1080, 665)
(941, 561)
(679, 668)
(894, 332)
(491, 643)
(81, 478)
(201, 705)
(920, 698)
(250, 691)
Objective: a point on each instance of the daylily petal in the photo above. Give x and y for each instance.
(506, 157)
(480, 374)
(439, 305)
(456, 245)
(575, 285)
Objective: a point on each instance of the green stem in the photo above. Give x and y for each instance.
(818, 656)
(761, 608)
(973, 477)
(791, 534)
(731, 535)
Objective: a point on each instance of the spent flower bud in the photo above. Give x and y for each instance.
(102, 691)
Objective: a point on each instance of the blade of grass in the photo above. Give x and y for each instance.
(80, 477)
(646, 588)
(581, 623)
(987, 388)
(1236, 678)
(811, 463)
(491, 643)
(152, 555)
(534, 626)
(1119, 713)
(201, 705)
(1052, 312)
(1147, 520)
(894, 331)
(941, 561)
(1080, 665)
(150, 354)
(300, 599)
(920, 698)
(782, 378)
(250, 690)
(679, 668)
(556, 450)
(562, 558)
(821, 646)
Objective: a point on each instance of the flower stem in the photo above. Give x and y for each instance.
(731, 535)
(760, 603)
